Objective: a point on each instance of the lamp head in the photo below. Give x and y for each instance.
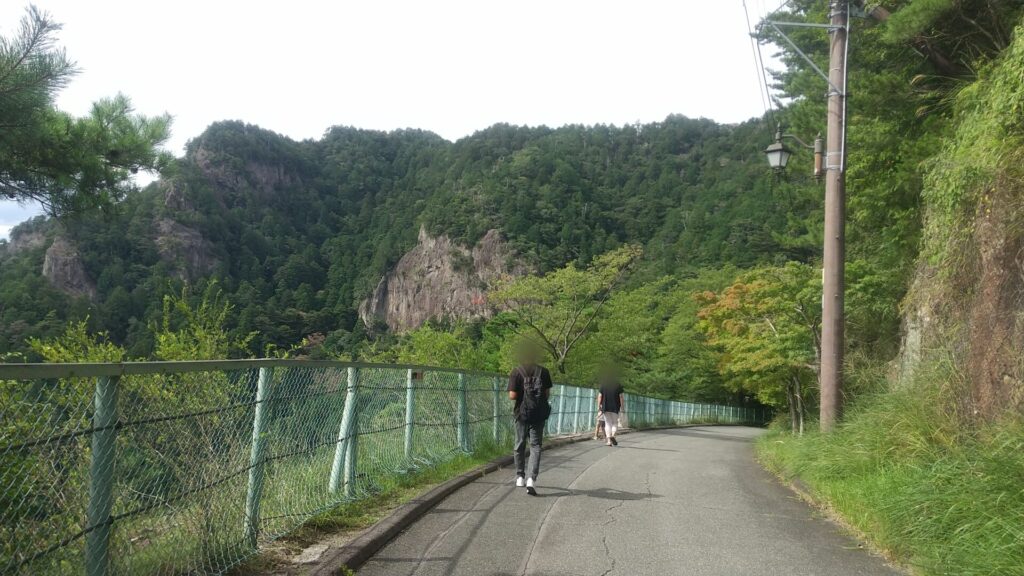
(778, 155)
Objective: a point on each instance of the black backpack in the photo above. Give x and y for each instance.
(534, 408)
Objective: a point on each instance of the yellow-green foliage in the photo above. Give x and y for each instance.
(196, 332)
(76, 344)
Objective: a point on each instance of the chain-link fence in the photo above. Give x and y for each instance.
(189, 467)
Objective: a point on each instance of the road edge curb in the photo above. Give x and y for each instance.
(368, 542)
(358, 550)
(823, 506)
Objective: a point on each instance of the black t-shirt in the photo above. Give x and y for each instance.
(516, 381)
(610, 397)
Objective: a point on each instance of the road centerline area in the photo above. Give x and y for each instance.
(681, 501)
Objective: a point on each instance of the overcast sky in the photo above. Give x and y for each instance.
(452, 67)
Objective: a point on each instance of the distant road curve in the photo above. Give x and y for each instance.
(684, 501)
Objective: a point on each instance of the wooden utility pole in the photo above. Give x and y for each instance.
(832, 317)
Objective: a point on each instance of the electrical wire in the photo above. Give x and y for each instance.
(762, 78)
(760, 87)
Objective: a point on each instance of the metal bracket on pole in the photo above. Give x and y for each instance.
(775, 26)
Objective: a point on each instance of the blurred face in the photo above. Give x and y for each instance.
(608, 372)
(528, 353)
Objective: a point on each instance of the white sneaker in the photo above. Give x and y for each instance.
(529, 487)
(520, 482)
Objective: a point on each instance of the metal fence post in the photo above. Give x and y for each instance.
(410, 413)
(462, 416)
(352, 445)
(496, 384)
(593, 406)
(101, 477)
(561, 409)
(348, 420)
(251, 525)
(576, 412)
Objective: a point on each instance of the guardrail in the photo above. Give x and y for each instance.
(189, 467)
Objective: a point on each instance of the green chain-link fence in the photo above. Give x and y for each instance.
(189, 467)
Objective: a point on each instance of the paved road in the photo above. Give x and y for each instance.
(685, 501)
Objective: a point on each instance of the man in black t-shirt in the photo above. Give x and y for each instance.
(529, 386)
(611, 401)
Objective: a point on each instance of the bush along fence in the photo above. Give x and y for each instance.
(188, 467)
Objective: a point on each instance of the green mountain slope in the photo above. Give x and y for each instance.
(297, 233)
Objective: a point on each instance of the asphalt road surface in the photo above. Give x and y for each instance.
(683, 501)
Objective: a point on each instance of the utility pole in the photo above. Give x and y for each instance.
(833, 281)
(830, 371)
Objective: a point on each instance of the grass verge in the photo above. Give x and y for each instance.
(929, 492)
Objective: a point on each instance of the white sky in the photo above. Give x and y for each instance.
(449, 66)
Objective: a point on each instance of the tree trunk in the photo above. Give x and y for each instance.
(560, 363)
(798, 394)
(791, 402)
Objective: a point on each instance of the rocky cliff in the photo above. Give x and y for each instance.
(965, 310)
(184, 248)
(63, 267)
(440, 279)
(26, 240)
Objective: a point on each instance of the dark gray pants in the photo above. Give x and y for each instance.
(535, 434)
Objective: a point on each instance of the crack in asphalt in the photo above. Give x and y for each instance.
(569, 487)
(611, 520)
(604, 537)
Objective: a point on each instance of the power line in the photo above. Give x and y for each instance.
(760, 89)
(762, 79)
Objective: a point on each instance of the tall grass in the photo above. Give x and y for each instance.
(935, 493)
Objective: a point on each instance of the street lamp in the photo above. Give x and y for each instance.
(778, 154)
(830, 376)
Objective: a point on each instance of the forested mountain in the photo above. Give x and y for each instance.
(298, 233)
(666, 249)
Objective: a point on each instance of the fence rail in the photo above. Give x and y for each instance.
(190, 467)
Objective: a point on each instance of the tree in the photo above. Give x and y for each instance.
(197, 332)
(67, 164)
(767, 325)
(560, 308)
(434, 346)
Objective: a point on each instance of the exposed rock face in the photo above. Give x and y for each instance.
(264, 179)
(973, 313)
(175, 197)
(440, 279)
(25, 240)
(63, 267)
(184, 248)
(917, 330)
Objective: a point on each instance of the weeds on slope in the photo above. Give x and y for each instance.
(933, 492)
